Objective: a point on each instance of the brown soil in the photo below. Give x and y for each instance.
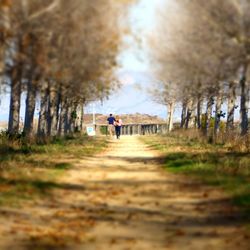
(122, 199)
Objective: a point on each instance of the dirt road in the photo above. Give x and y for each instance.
(121, 200)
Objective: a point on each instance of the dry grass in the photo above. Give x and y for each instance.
(230, 140)
(29, 170)
(226, 165)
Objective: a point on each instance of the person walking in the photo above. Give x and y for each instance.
(111, 121)
(118, 125)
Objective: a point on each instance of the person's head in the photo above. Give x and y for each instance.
(110, 115)
(117, 117)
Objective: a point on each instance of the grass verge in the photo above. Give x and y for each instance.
(213, 164)
(29, 171)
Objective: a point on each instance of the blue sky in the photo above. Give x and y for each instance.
(135, 69)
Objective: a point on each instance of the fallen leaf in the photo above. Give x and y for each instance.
(113, 241)
(205, 195)
(180, 232)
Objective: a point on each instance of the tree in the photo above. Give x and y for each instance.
(60, 53)
(202, 54)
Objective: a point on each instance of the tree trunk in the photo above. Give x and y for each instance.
(68, 120)
(72, 112)
(190, 121)
(231, 106)
(199, 112)
(170, 116)
(15, 103)
(208, 115)
(188, 116)
(218, 114)
(62, 130)
(81, 115)
(15, 96)
(30, 108)
(42, 122)
(183, 114)
(63, 117)
(192, 117)
(58, 105)
(243, 103)
(52, 110)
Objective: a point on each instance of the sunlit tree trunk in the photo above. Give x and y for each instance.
(30, 108)
(79, 116)
(171, 106)
(62, 117)
(62, 126)
(243, 103)
(231, 106)
(192, 116)
(190, 120)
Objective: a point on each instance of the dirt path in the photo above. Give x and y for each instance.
(122, 199)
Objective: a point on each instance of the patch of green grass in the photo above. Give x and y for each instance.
(214, 165)
(213, 172)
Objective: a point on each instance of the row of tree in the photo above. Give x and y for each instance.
(61, 54)
(202, 51)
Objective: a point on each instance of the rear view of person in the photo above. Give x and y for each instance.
(118, 125)
(111, 121)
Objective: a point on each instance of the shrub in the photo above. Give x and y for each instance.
(103, 130)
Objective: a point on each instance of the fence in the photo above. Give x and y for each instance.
(135, 129)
